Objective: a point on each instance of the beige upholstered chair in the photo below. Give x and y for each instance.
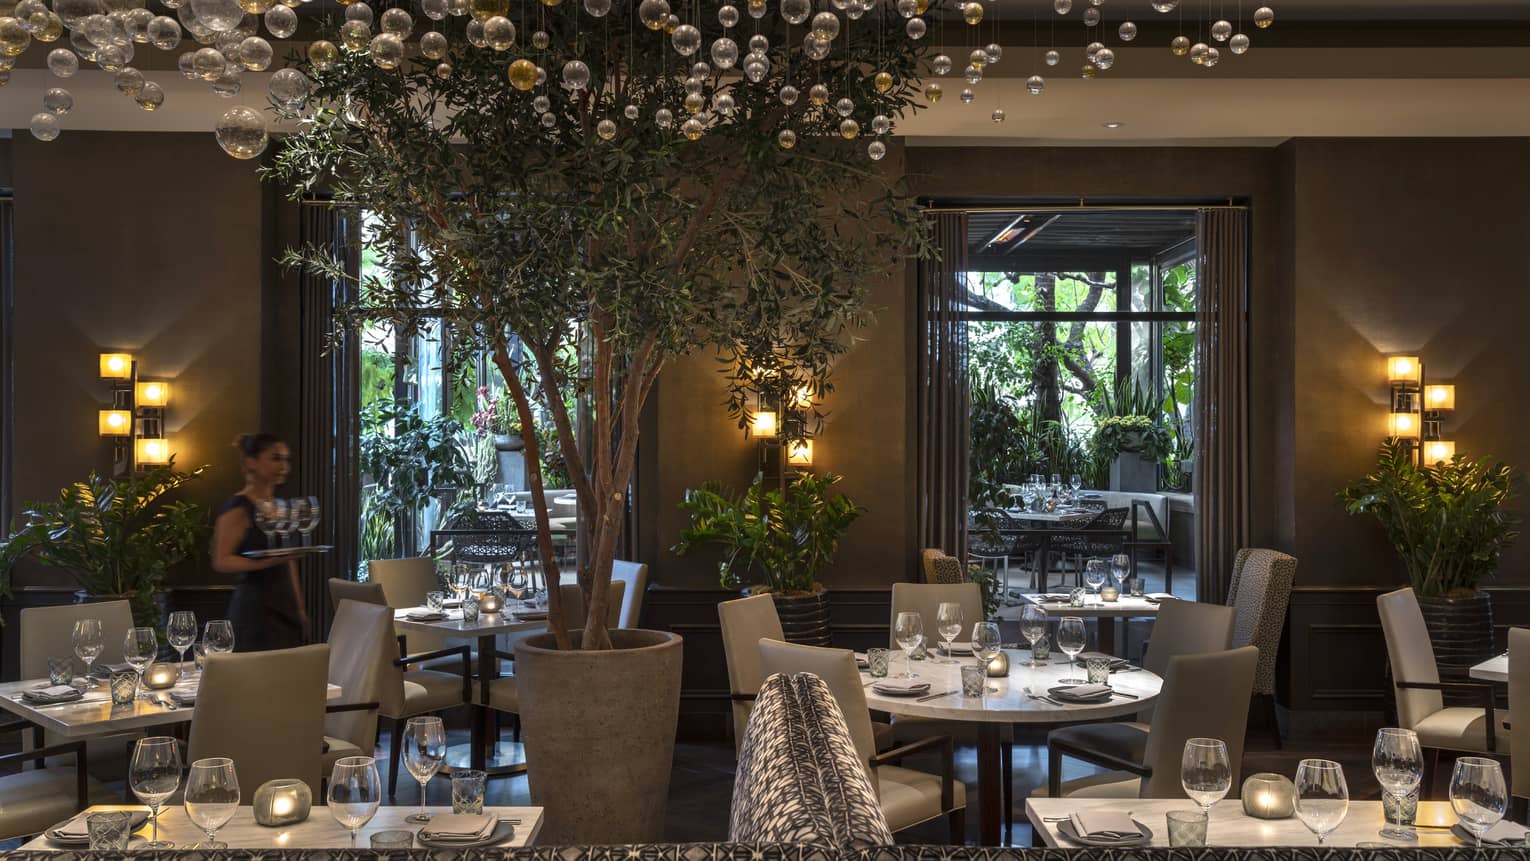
(1519, 701)
(264, 710)
(1204, 696)
(573, 605)
(635, 576)
(361, 654)
(1420, 701)
(1260, 591)
(350, 590)
(406, 693)
(48, 632)
(926, 598)
(33, 800)
(907, 797)
(746, 621)
(1182, 628)
(405, 582)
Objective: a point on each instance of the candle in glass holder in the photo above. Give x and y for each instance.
(160, 676)
(1269, 796)
(491, 602)
(1110, 594)
(999, 666)
(282, 802)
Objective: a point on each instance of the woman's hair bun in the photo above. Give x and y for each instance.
(252, 444)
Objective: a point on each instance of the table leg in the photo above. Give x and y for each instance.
(488, 670)
(989, 792)
(1108, 635)
(485, 752)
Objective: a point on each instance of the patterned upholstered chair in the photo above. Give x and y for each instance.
(1260, 591)
(940, 568)
(800, 778)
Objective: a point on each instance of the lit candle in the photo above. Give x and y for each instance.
(1110, 594)
(159, 676)
(491, 602)
(1269, 796)
(999, 666)
(282, 802)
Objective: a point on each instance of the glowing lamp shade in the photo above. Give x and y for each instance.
(764, 423)
(1403, 425)
(114, 422)
(800, 453)
(1437, 450)
(153, 452)
(1440, 398)
(1403, 369)
(116, 366)
(155, 394)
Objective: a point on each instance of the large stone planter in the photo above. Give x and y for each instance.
(804, 618)
(1461, 631)
(599, 729)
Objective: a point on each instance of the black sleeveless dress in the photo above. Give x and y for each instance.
(264, 609)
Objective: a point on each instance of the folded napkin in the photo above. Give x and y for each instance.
(104, 670)
(529, 615)
(425, 615)
(900, 686)
(1115, 662)
(1159, 596)
(464, 827)
(78, 828)
(1105, 825)
(184, 696)
(1082, 692)
(1505, 831)
(861, 660)
(52, 694)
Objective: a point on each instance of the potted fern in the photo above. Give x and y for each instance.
(776, 542)
(1448, 523)
(117, 537)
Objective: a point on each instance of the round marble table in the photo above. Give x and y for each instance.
(1009, 702)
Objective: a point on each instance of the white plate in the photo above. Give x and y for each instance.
(502, 832)
(1065, 828)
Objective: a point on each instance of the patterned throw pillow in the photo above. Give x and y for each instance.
(799, 779)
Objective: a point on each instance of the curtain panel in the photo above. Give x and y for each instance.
(942, 397)
(1221, 475)
(328, 391)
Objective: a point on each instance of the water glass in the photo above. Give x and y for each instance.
(1033, 626)
(1098, 667)
(355, 792)
(435, 600)
(1400, 812)
(1205, 772)
(1041, 651)
(467, 791)
(876, 663)
(1322, 796)
(1478, 794)
(1187, 827)
(470, 608)
(212, 797)
(1398, 761)
(60, 671)
(124, 687)
(1137, 587)
(110, 830)
(399, 839)
(974, 679)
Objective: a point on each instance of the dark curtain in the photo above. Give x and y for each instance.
(330, 375)
(1221, 476)
(942, 397)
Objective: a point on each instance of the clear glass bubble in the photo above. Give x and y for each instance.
(756, 9)
(541, 104)
(844, 107)
(241, 132)
(941, 64)
(663, 118)
(727, 15)
(700, 69)
(360, 12)
(972, 75)
(997, 115)
(818, 94)
(967, 96)
(995, 52)
(576, 75)
(71, 12)
(908, 8)
(58, 100)
(1104, 58)
(606, 129)
(758, 44)
(548, 121)
(653, 13)
(51, 30)
(876, 150)
(786, 139)
(255, 54)
(1035, 85)
(1221, 30)
(435, 10)
(98, 29)
(85, 48)
(356, 35)
(694, 85)
(686, 40)
(194, 25)
(825, 26)
(112, 58)
(880, 124)
(1213, 56)
(228, 84)
(150, 97)
(433, 45)
(632, 112)
(1239, 43)
(499, 32)
(63, 62)
(443, 70)
(387, 51)
(398, 22)
(1062, 7)
(788, 95)
(1091, 17)
(724, 53)
(457, 8)
(1198, 52)
(815, 48)
(1053, 58)
(323, 55)
(129, 81)
(1264, 16)
(1127, 31)
(978, 57)
(165, 32)
(187, 63)
(756, 67)
(1180, 46)
(597, 9)
(136, 23)
(289, 89)
(1165, 5)
(44, 126)
(218, 15)
(724, 104)
(540, 40)
(916, 28)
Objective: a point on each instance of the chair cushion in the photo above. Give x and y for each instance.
(504, 695)
(337, 750)
(1462, 728)
(1107, 784)
(910, 797)
(33, 801)
(1126, 741)
(882, 734)
(429, 691)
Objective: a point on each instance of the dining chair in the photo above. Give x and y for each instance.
(264, 710)
(1181, 628)
(1104, 534)
(926, 598)
(362, 646)
(405, 583)
(48, 632)
(987, 545)
(907, 797)
(350, 590)
(635, 576)
(34, 799)
(937, 567)
(746, 621)
(1420, 698)
(1519, 733)
(1260, 590)
(1203, 696)
(406, 693)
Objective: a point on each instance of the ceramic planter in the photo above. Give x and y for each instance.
(508, 442)
(1461, 631)
(804, 618)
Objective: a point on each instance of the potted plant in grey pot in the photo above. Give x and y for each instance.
(117, 537)
(777, 542)
(584, 215)
(1448, 524)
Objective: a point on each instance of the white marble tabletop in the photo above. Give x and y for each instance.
(94, 714)
(1064, 515)
(1494, 669)
(1125, 607)
(487, 624)
(318, 831)
(1229, 826)
(1007, 700)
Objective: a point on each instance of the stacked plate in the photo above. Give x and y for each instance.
(901, 687)
(1104, 828)
(75, 833)
(52, 695)
(425, 615)
(957, 647)
(1084, 694)
(465, 830)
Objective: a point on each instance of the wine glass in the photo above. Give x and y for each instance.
(424, 751)
(1033, 626)
(1478, 795)
(87, 644)
(182, 631)
(909, 631)
(1076, 482)
(218, 636)
(154, 775)
(1120, 569)
(311, 522)
(139, 647)
(986, 645)
(1071, 639)
(1398, 761)
(1094, 575)
(212, 797)
(288, 514)
(1205, 771)
(1322, 798)
(355, 791)
(267, 518)
(948, 623)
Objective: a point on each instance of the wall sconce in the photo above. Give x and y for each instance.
(1440, 398)
(116, 366)
(800, 453)
(1437, 450)
(1404, 370)
(1417, 409)
(136, 417)
(152, 452)
(763, 424)
(114, 423)
(153, 394)
(1403, 425)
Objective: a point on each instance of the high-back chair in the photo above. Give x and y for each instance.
(1203, 696)
(361, 652)
(1260, 591)
(264, 710)
(746, 621)
(48, 632)
(635, 576)
(573, 605)
(937, 567)
(1519, 702)
(907, 797)
(926, 598)
(1420, 698)
(350, 590)
(405, 582)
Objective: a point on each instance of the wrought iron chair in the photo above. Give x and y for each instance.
(1103, 535)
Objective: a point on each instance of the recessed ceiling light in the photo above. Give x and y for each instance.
(1113, 125)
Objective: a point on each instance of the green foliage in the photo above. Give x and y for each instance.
(1447, 522)
(378, 540)
(786, 539)
(116, 536)
(376, 376)
(1131, 433)
(992, 587)
(996, 447)
(415, 461)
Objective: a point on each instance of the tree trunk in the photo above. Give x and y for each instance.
(1044, 381)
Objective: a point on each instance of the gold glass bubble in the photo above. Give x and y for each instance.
(787, 139)
(443, 70)
(483, 10)
(973, 13)
(933, 92)
(356, 35)
(883, 82)
(522, 74)
(323, 55)
(1180, 46)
